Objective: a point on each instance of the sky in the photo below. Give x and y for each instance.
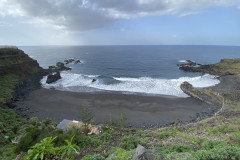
(119, 22)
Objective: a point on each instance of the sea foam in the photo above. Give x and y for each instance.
(146, 85)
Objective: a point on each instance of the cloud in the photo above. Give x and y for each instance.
(81, 15)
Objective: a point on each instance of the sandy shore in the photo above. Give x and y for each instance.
(140, 110)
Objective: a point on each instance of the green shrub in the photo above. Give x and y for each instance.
(236, 138)
(119, 154)
(28, 140)
(106, 137)
(87, 157)
(97, 157)
(33, 121)
(207, 145)
(94, 141)
(218, 153)
(15, 128)
(175, 148)
(82, 141)
(131, 142)
(93, 157)
(223, 129)
(167, 133)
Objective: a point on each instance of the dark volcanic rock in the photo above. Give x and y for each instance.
(67, 61)
(191, 66)
(60, 64)
(204, 95)
(59, 67)
(53, 77)
(77, 61)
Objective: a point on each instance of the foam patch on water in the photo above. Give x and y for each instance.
(76, 83)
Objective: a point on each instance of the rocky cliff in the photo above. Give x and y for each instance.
(15, 61)
(16, 68)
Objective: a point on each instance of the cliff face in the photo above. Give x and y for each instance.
(15, 61)
(15, 67)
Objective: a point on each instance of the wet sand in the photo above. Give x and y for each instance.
(140, 110)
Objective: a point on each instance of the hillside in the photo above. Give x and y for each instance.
(15, 68)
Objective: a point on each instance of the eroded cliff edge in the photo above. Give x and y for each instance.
(16, 68)
(228, 72)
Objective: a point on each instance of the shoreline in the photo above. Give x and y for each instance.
(141, 111)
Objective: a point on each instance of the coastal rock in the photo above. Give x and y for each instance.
(60, 64)
(67, 61)
(190, 66)
(59, 67)
(53, 77)
(77, 61)
(204, 95)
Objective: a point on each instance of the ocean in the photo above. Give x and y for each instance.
(145, 70)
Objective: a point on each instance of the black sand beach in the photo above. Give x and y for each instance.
(141, 111)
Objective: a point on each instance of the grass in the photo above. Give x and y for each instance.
(228, 65)
(7, 85)
(224, 129)
(11, 126)
(163, 134)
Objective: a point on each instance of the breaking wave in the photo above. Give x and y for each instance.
(146, 85)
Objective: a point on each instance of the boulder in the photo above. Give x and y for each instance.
(140, 154)
(53, 77)
(77, 61)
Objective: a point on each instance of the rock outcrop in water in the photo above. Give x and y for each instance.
(191, 66)
(204, 95)
(53, 77)
(224, 67)
(71, 60)
(59, 67)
